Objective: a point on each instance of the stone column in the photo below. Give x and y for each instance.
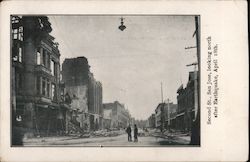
(41, 55)
(50, 89)
(41, 85)
(49, 67)
(46, 58)
(29, 62)
(29, 56)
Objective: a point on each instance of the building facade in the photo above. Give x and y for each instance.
(75, 77)
(165, 116)
(36, 100)
(120, 117)
(151, 121)
(159, 116)
(85, 94)
(187, 103)
(107, 117)
(95, 103)
(170, 112)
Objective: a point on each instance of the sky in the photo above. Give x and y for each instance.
(131, 64)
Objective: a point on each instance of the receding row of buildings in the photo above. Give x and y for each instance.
(187, 101)
(84, 95)
(164, 115)
(178, 116)
(116, 115)
(50, 99)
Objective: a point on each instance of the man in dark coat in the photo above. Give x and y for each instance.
(128, 130)
(135, 134)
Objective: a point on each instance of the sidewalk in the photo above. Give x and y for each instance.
(74, 141)
(174, 136)
(90, 135)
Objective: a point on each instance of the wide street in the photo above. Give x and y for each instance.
(120, 140)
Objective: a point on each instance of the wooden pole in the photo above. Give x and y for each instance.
(195, 136)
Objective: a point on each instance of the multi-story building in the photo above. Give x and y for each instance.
(75, 77)
(35, 76)
(85, 93)
(186, 103)
(95, 103)
(165, 115)
(170, 110)
(141, 123)
(120, 117)
(107, 117)
(159, 116)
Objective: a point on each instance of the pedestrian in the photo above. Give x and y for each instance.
(135, 134)
(128, 130)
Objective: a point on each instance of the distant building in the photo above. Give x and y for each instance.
(120, 117)
(170, 112)
(159, 116)
(186, 104)
(84, 92)
(107, 117)
(165, 115)
(132, 121)
(151, 121)
(141, 123)
(36, 99)
(95, 103)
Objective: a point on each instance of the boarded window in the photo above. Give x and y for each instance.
(44, 58)
(38, 85)
(43, 87)
(48, 88)
(55, 69)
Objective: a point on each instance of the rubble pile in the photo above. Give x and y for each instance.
(74, 129)
(104, 133)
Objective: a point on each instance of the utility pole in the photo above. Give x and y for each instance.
(162, 110)
(196, 98)
(161, 94)
(195, 136)
(168, 114)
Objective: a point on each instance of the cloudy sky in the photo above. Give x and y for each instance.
(131, 64)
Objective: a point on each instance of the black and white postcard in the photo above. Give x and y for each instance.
(128, 81)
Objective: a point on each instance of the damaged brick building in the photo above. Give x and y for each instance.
(36, 100)
(85, 94)
(187, 103)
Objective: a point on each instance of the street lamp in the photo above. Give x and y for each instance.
(122, 27)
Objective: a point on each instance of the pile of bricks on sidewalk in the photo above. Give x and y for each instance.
(77, 131)
(105, 133)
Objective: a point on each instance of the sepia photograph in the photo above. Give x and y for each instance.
(105, 80)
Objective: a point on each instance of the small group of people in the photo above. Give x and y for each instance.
(129, 131)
